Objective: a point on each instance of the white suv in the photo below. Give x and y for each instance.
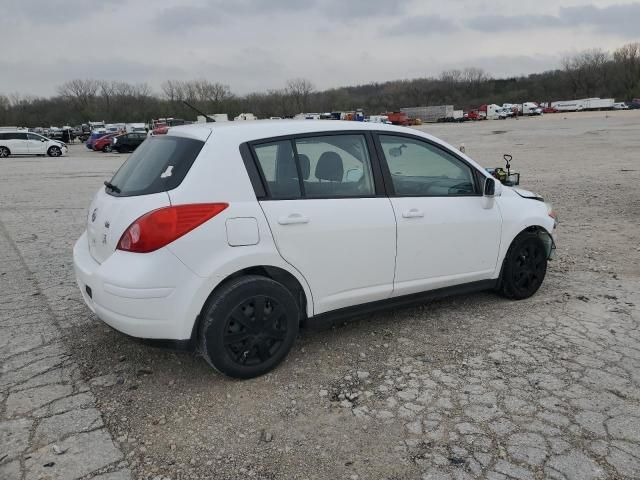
(230, 235)
(21, 142)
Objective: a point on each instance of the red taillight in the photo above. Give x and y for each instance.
(160, 227)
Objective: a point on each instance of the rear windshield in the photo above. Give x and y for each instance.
(159, 164)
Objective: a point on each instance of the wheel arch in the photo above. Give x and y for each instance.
(540, 230)
(278, 274)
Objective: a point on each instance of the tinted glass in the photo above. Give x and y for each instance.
(419, 168)
(158, 165)
(4, 136)
(32, 136)
(335, 166)
(279, 169)
(16, 136)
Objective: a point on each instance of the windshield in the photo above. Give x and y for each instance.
(157, 165)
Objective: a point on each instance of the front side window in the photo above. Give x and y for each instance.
(420, 169)
(32, 136)
(335, 166)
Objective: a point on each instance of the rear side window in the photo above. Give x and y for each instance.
(279, 169)
(159, 164)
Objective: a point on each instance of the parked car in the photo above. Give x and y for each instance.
(103, 144)
(229, 237)
(127, 142)
(93, 137)
(549, 110)
(620, 106)
(20, 142)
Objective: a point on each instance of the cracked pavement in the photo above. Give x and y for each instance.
(462, 388)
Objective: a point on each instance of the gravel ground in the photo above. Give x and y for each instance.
(466, 387)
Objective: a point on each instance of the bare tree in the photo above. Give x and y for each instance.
(300, 89)
(81, 92)
(627, 59)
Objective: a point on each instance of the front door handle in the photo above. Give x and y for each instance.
(413, 213)
(292, 219)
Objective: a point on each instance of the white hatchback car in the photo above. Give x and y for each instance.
(21, 142)
(229, 235)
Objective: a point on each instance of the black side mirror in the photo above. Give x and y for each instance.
(489, 187)
(43, 139)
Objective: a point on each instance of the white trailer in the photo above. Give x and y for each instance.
(599, 103)
(135, 127)
(431, 114)
(569, 105)
(493, 111)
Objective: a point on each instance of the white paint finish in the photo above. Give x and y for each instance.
(242, 232)
(345, 249)
(341, 251)
(454, 240)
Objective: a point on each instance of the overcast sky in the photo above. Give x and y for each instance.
(255, 45)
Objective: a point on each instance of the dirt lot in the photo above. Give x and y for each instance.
(466, 387)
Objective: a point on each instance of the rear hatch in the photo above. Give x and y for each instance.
(141, 184)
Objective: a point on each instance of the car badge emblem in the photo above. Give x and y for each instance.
(104, 239)
(94, 214)
(106, 224)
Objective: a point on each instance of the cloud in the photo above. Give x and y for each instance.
(56, 12)
(422, 25)
(496, 23)
(179, 17)
(614, 19)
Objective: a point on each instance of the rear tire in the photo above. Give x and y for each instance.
(107, 149)
(248, 326)
(4, 152)
(524, 268)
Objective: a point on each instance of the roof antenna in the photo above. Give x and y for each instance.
(209, 119)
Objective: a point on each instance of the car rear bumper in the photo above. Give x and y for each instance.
(142, 295)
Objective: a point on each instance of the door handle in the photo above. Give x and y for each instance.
(292, 219)
(413, 213)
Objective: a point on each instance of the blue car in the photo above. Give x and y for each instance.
(94, 136)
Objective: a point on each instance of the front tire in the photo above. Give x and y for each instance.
(524, 268)
(248, 326)
(54, 152)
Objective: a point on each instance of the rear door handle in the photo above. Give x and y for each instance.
(292, 219)
(413, 213)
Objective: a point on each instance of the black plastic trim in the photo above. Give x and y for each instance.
(403, 301)
(252, 170)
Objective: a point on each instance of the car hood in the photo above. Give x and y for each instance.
(527, 194)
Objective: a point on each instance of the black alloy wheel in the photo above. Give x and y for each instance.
(248, 326)
(525, 267)
(255, 330)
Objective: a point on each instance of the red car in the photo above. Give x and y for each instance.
(103, 144)
(549, 110)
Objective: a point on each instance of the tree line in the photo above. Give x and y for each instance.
(591, 73)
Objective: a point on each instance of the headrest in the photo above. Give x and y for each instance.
(305, 166)
(329, 167)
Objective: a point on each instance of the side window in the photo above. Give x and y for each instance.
(32, 136)
(4, 136)
(335, 166)
(279, 169)
(16, 136)
(419, 168)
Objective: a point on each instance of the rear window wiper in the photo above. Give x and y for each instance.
(111, 186)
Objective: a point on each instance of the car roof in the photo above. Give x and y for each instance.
(247, 130)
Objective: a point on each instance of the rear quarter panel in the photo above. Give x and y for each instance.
(219, 175)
